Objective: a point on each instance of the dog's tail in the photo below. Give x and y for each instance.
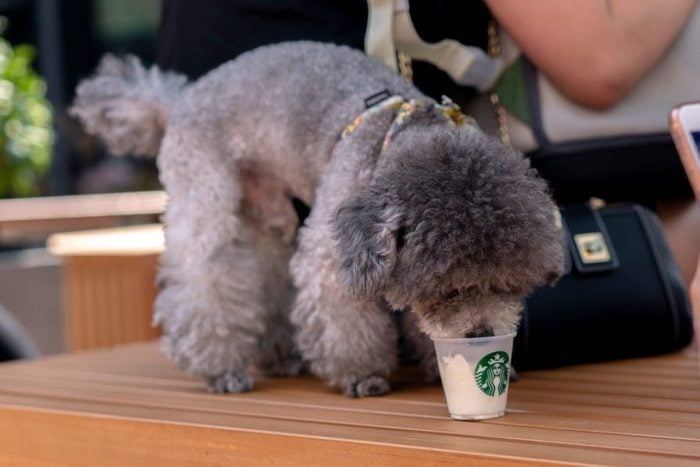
(126, 104)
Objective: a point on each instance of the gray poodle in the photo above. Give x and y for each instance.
(410, 209)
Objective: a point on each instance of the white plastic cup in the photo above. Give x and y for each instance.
(475, 375)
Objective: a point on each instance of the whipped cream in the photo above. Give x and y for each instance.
(465, 399)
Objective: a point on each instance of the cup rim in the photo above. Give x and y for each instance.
(470, 340)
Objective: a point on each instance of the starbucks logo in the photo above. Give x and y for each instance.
(492, 373)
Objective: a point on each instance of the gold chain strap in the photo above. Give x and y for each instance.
(494, 51)
(405, 66)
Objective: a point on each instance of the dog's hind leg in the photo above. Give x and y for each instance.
(350, 343)
(210, 303)
(271, 222)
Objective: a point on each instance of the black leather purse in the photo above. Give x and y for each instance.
(622, 296)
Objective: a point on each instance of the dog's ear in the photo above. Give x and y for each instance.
(365, 232)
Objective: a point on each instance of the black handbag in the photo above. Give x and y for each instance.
(621, 297)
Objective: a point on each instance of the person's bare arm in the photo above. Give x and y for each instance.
(593, 51)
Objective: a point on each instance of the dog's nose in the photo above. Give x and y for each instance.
(484, 331)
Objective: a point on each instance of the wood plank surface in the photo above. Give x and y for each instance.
(130, 406)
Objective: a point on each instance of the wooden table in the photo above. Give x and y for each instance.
(130, 406)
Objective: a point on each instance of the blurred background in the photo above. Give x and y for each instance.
(66, 39)
(46, 46)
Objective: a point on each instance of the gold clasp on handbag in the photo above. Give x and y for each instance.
(592, 248)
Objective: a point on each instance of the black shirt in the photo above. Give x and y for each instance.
(198, 35)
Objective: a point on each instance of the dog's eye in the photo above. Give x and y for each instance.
(452, 294)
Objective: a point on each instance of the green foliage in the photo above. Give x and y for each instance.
(26, 133)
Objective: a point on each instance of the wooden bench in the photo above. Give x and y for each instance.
(35, 218)
(130, 406)
(99, 276)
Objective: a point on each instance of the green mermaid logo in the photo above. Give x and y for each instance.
(492, 373)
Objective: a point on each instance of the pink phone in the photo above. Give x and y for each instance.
(685, 129)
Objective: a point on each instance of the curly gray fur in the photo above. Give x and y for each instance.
(127, 105)
(445, 221)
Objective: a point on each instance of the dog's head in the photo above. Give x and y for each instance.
(454, 225)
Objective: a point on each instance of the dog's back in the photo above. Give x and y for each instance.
(283, 106)
(290, 100)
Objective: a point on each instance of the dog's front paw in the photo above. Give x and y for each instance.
(370, 386)
(236, 381)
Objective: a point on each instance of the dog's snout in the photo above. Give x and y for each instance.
(485, 331)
